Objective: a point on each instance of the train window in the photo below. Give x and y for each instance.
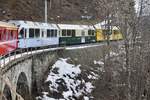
(25, 33)
(64, 32)
(68, 32)
(48, 33)
(37, 33)
(21, 34)
(0, 35)
(52, 33)
(89, 32)
(11, 37)
(14, 34)
(31, 33)
(42, 33)
(4, 35)
(92, 32)
(7, 35)
(83, 33)
(73, 33)
(55, 33)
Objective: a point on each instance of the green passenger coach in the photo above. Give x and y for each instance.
(76, 34)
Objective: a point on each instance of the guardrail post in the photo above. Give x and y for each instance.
(27, 51)
(0, 60)
(1, 83)
(35, 50)
(9, 56)
(15, 55)
(4, 61)
(31, 51)
(43, 49)
(21, 52)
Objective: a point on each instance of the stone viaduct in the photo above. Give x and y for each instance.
(21, 77)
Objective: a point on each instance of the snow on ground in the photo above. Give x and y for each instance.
(98, 62)
(82, 46)
(66, 79)
(137, 6)
(101, 63)
(113, 54)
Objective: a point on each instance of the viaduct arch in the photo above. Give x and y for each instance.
(20, 75)
(22, 87)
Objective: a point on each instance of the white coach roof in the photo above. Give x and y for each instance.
(30, 24)
(76, 27)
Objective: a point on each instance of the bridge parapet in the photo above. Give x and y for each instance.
(20, 54)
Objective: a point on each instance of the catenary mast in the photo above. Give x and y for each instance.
(45, 11)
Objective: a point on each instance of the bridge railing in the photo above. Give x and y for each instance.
(19, 53)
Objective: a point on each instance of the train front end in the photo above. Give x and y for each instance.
(8, 38)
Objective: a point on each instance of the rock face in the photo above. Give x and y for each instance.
(67, 10)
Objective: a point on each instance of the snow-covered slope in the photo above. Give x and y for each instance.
(65, 82)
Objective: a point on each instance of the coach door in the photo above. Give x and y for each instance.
(22, 38)
(83, 37)
(43, 36)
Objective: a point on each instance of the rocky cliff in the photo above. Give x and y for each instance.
(67, 10)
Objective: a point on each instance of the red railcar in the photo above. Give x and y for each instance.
(8, 38)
